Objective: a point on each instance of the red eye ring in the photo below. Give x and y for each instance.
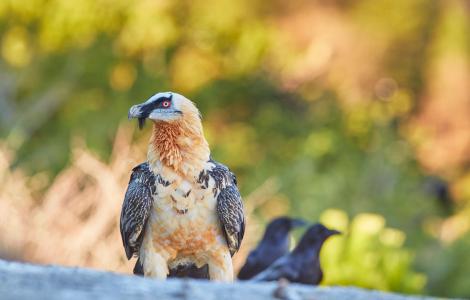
(166, 104)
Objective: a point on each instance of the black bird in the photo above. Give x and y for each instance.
(302, 265)
(274, 244)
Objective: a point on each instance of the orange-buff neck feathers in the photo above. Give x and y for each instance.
(180, 144)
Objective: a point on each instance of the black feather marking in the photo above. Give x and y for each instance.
(203, 179)
(162, 181)
(181, 211)
(136, 208)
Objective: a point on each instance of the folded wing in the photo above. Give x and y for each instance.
(229, 205)
(136, 208)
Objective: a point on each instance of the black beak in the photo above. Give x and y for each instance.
(297, 223)
(334, 232)
(138, 113)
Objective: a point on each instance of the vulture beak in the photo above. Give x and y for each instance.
(136, 112)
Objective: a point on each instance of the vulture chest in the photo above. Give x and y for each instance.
(184, 220)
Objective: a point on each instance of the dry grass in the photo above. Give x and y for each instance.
(76, 221)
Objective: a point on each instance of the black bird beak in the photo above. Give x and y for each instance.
(297, 223)
(334, 232)
(137, 112)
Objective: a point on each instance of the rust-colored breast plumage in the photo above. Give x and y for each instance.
(192, 218)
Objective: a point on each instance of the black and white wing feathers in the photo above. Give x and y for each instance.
(136, 208)
(231, 216)
(229, 205)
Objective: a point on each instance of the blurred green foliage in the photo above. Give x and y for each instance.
(325, 119)
(367, 245)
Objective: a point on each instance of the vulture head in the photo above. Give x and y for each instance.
(165, 107)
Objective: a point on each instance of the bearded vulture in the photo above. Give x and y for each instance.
(181, 207)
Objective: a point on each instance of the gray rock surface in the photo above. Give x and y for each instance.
(26, 281)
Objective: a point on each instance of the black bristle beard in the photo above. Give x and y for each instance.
(141, 122)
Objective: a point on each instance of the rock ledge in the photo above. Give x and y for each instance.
(26, 281)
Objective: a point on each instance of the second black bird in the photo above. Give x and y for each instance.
(302, 265)
(274, 244)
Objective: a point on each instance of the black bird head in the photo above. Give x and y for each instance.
(285, 222)
(314, 237)
(167, 107)
(280, 227)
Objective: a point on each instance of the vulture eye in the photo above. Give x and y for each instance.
(166, 103)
